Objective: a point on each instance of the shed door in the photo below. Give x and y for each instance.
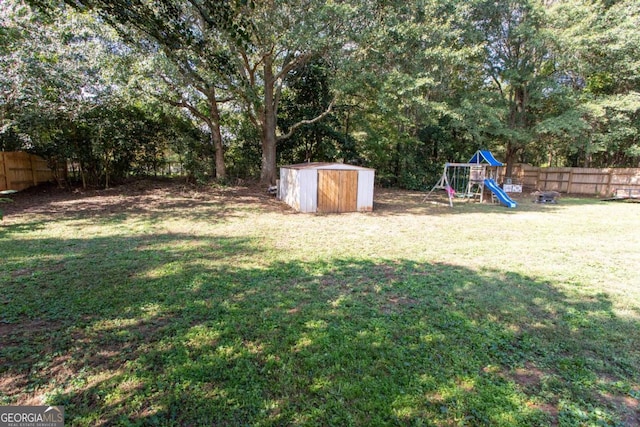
(337, 191)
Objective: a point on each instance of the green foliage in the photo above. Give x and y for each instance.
(76, 104)
(595, 43)
(411, 84)
(243, 154)
(187, 146)
(601, 84)
(122, 141)
(308, 95)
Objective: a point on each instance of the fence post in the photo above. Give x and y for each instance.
(609, 180)
(570, 183)
(3, 172)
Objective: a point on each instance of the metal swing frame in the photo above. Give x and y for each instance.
(474, 186)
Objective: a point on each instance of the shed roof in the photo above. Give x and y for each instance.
(325, 165)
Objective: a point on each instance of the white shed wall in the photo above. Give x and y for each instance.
(365, 190)
(290, 187)
(308, 190)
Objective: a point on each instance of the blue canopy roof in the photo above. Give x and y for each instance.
(485, 156)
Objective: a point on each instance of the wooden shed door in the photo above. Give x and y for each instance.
(337, 191)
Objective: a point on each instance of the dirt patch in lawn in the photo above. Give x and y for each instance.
(142, 196)
(154, 196)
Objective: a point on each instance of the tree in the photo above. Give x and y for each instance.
(283, 37)
(66, 96)
(516, 68)
(400, 96)
(399, 86)
(308, 94)
(170, 82)
(54, 69)
(187, 44)
(244, 49)
(599, 47)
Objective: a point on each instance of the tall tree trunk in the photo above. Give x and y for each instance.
(510, 160)
(83, 176)
(268, 124)
(517, 121)
(268, 174)
(216, 135)
(212, 120)
(107, 170)
(216, 141)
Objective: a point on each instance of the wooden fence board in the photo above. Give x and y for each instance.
(20, 170)
(592, 181)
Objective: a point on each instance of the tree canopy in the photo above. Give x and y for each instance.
(235, 88)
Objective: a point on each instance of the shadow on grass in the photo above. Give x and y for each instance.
(178, 330)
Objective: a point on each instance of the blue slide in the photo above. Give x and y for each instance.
(500, 194)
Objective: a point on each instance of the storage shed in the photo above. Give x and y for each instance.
(327, 187)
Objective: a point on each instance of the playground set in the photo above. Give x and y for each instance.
(468, 180)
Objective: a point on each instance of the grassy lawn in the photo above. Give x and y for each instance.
(156, 304)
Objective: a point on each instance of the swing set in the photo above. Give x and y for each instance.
(461, 180)
(467, 180)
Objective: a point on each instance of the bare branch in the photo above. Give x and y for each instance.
(296, 62)
(293, 128)
(184, 104)
(498, 84)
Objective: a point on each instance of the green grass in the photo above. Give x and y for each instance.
(226, 309)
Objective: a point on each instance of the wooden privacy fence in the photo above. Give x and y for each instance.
(20, 170)
(592, 181)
